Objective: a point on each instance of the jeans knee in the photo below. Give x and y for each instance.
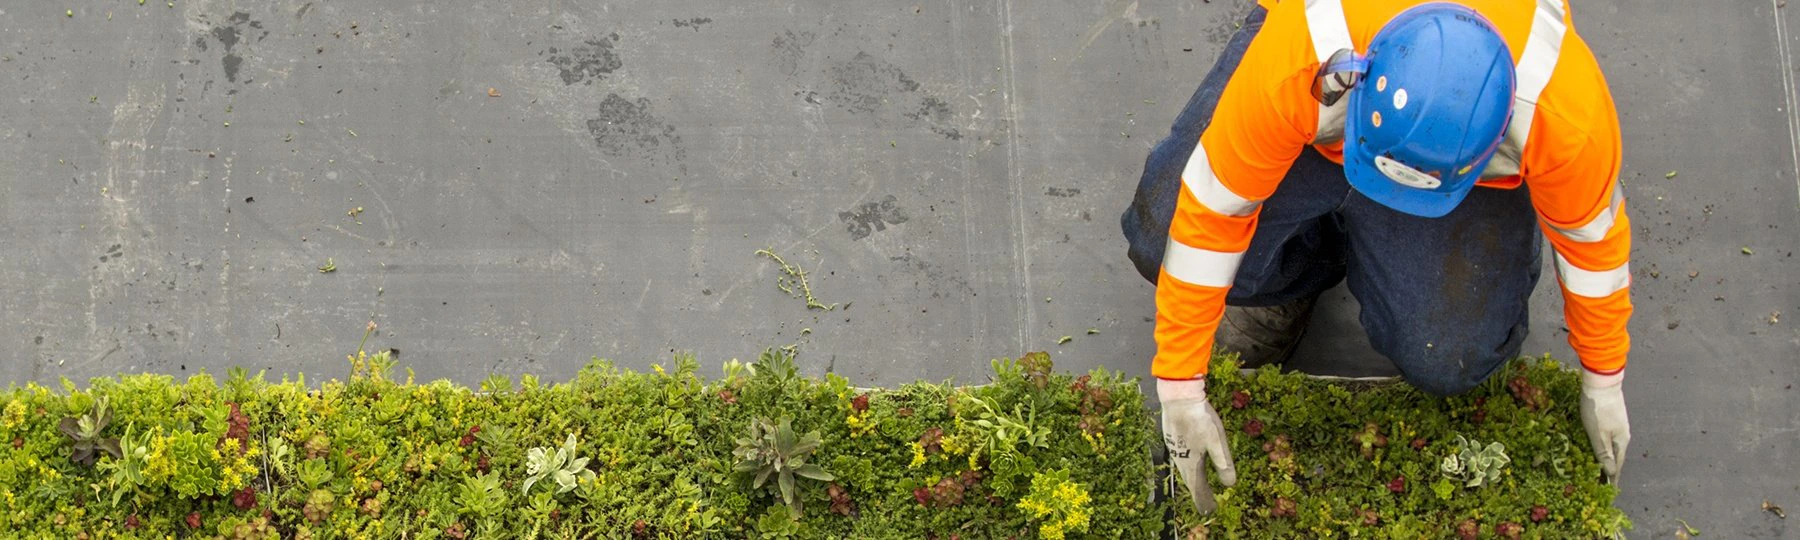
(1144, 244)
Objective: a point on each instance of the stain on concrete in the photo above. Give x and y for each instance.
(864, 83)
(1062, 192)
(936, 114)
(590, 61)
(929, 279)
(867, 86)
(694, 23)
(871, 217)
(238, 29)
(627, 128)
(931, 108)
(112, 253)
(231, 62)
(790, 47)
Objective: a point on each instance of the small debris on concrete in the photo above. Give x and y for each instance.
(1770, 508)
(1686, 531)
(1775, 317)
(1670, 175)
(1092, 331)
(330, 266)
(1746, 250)
(792, 274)
(492, 92)
(1064, 339)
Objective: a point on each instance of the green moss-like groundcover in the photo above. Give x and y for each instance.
(1034, 454)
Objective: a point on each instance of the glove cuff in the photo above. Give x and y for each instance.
(1590, 379)
(1169, 390)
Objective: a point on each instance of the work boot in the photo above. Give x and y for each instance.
(1264, 335)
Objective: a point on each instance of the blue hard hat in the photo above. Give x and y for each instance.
(1430, 111)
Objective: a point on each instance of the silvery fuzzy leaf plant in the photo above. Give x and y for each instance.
(559, 465)
(1475, 464)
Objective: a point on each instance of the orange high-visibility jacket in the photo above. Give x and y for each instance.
(1563, 141)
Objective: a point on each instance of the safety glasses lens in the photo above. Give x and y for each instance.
(1338, 75)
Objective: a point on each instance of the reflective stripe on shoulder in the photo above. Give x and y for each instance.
(1200, 180)
(1202, 267)
(1592, 283)
(1330, 33)
(1536, 64)
(1595, 229)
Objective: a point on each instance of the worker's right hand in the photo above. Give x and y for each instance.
(1192, 431)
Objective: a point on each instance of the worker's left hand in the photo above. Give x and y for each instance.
(1603, 412)
(1193, 433)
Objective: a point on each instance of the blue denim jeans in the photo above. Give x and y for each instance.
(1445, 299)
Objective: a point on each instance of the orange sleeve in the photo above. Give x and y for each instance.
(1264, 118)
(1572, 170)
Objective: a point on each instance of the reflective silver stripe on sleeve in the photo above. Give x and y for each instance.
(1595, 229)
(1592, 283)
(1204, 185)
(1330, 32)
(1202, 267)
(1536, 64)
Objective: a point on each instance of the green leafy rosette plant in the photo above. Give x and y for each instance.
(775, 451)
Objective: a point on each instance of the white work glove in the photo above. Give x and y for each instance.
(1192, 431)
(1603, 413)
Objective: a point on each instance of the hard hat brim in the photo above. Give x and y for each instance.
(1359, 169)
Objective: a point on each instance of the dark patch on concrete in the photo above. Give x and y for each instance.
(113, 253)
(627, 128)
(231, 62)
(790, 47)
(867, 218)
(227, 36)
(38, 340)
(590, 61)
(1219, 33)
(927, 277)
(933, 109)
(693, 23)
(238, 29)
(864, 84)
(1062, 192)
(936, 112)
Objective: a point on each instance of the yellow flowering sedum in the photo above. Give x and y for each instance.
(1058, 505)
(14, 415)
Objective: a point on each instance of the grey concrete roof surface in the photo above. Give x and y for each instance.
(949, 173)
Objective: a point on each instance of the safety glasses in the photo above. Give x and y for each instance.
(1338, 75)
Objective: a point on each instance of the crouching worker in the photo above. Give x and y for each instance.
(1416, 149)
